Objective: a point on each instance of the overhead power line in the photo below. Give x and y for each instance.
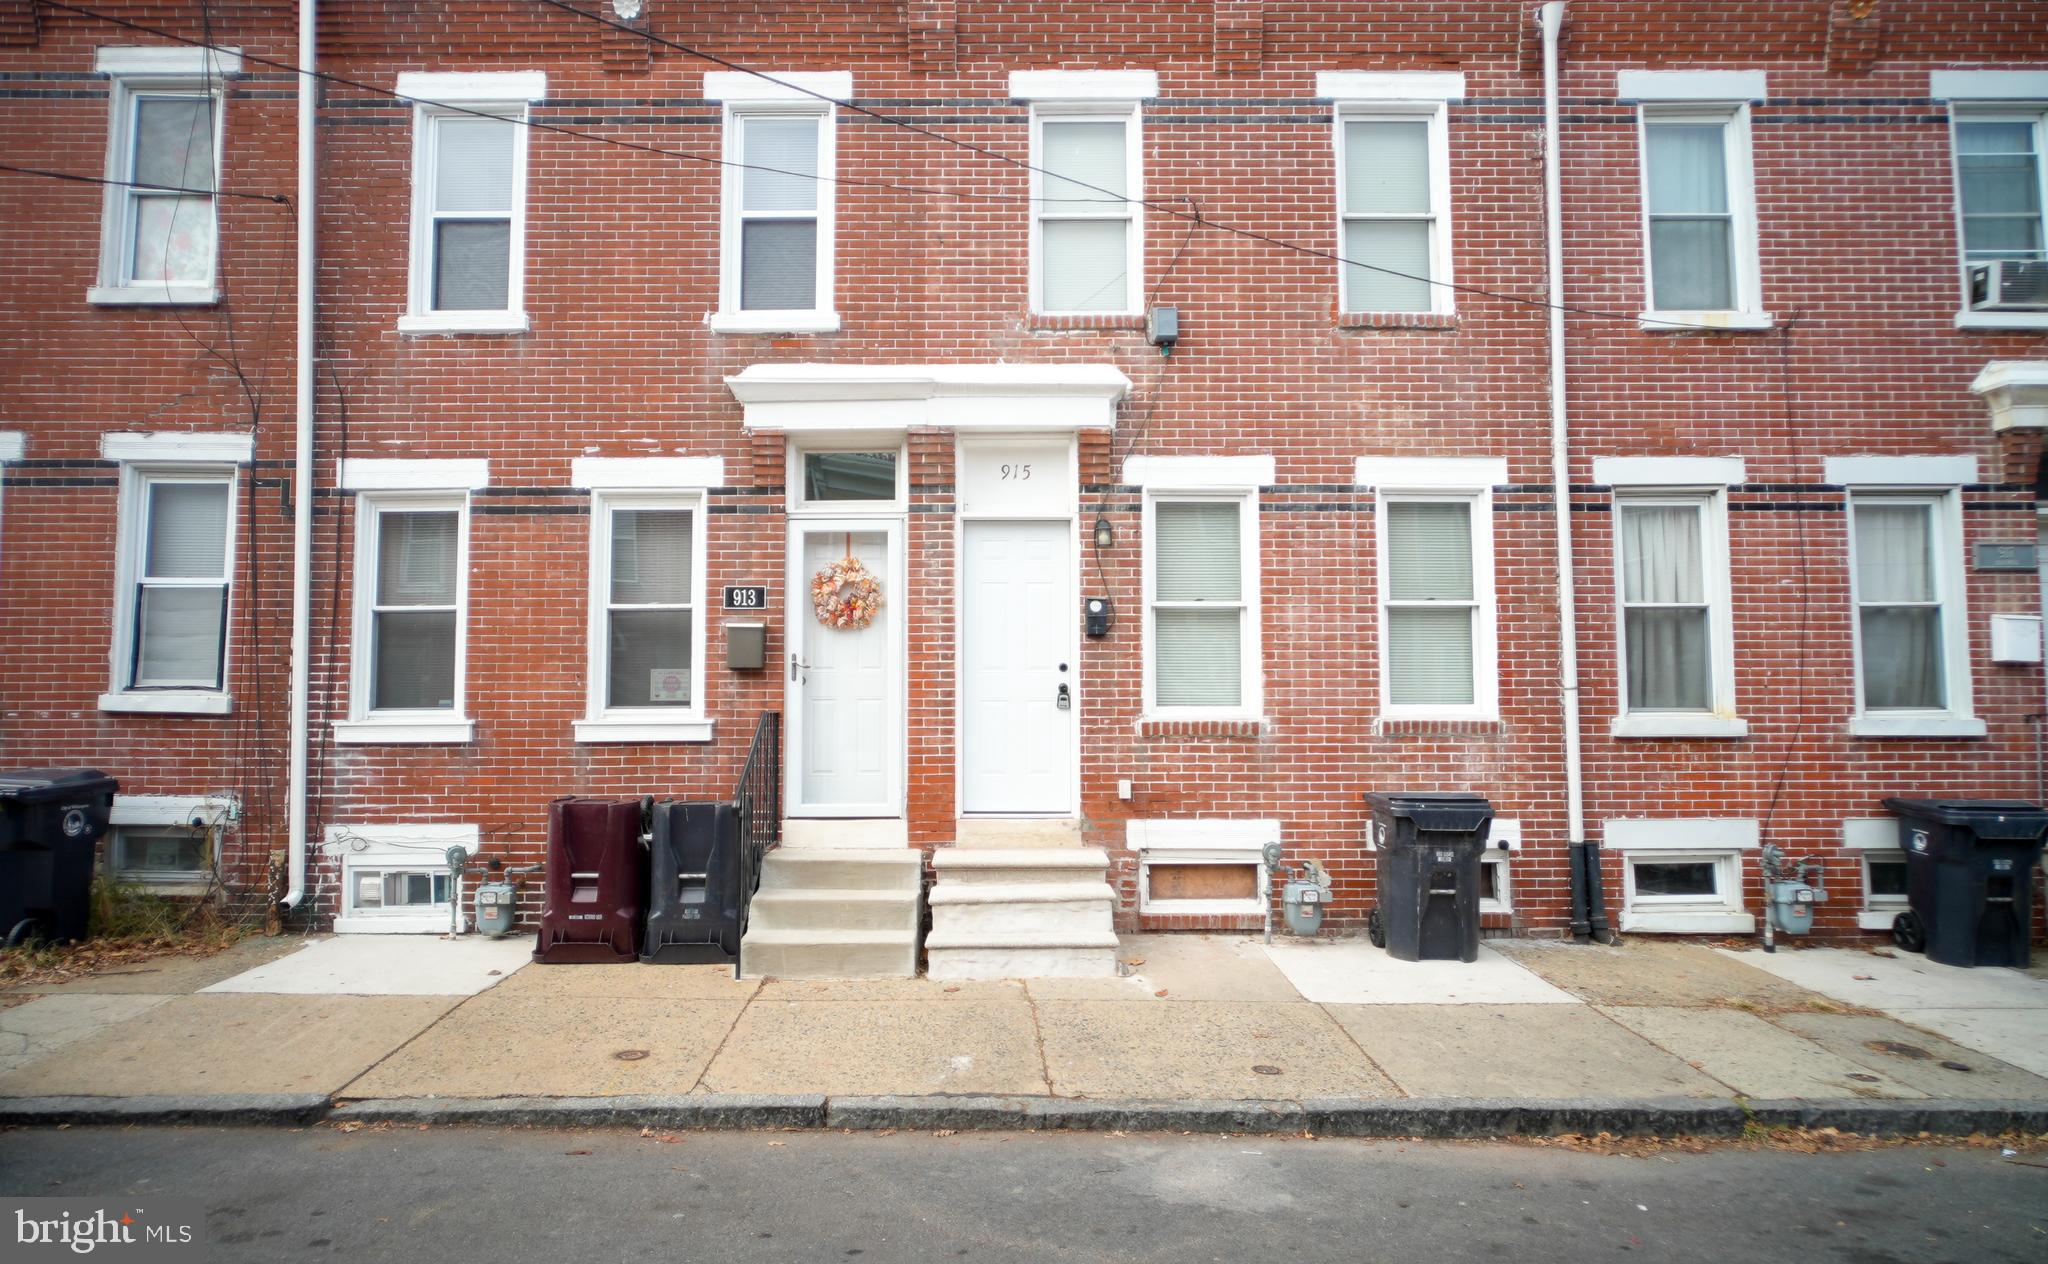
(279, 198)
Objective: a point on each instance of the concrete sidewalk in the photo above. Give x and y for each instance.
(426, 1028)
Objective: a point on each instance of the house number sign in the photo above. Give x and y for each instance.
(746, 597)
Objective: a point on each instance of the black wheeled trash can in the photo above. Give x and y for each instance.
(50, 821)
(693, 906)
(1969, 878)
(595, 893)
(1429, 847)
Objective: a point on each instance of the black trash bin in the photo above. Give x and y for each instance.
(1429, 847)
(50, 821)
(1969, 878)
(693, 905)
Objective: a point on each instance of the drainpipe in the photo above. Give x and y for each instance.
(302, 465)
(1589, 917)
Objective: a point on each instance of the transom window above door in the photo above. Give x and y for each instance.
(858, 477)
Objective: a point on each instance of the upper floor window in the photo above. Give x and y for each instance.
(1086, 239)
(468, 270)
(159, 235)
(1699, 211)
(1393, 183)
(2000, 189)
(779, 224)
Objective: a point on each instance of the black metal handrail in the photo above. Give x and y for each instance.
(757, 803)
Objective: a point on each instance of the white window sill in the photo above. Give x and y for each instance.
(432, 925)
(403, 732)
(1679, 726)
(1916, 726)
(152, 295)
(1691, 922)
(463, 323)
(2002, 320)
(197, 702)
(1495, 907)
(643, 730)
(1878, 919)
(821, 322)
(1690, 322)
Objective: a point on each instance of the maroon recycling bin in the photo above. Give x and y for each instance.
(596, 882)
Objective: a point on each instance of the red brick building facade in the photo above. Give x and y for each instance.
(545, 342)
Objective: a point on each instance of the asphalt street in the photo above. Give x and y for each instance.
(459, 1195)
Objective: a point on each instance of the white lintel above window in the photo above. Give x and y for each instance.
(365, 474)
(1431, 473)
(1871, 833)
(1668, 471)
(647, 473)
(1683, 834)
(1084, 85)
(204, 811)
(465, 87)
(737, 86)
(804, 398)
(1900, 471)
(1390, 85)
(179, 447)
(177, 62)
(13, 444)
(1988, 85)
(1169, 473)
(1690, 85)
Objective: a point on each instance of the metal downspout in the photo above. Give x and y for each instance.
(302, 463)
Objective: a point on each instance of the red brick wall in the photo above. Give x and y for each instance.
(1857, 242)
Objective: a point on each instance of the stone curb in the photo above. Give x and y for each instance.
(1443, 1118)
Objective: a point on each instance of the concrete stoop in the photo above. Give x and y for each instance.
(838, 913)
(1021, 913)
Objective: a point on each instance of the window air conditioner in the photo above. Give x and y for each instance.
(2008, 285)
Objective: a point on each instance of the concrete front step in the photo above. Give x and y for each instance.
(1018, 866)
(834, 908)
(1020, 955)
(1080, 907)
(842, 869)
(987, 832)
(828, 954)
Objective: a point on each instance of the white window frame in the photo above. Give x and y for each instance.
(1485, 704)
(137, 478)
(1251, 701)
(801, 505)
(408, 725)
(500, 95)
(1132, 115)
(1503, 840)
(1959, 718)
(1961, 112)
(1442, 295)
(1206, 841)
(604, 723)
(387, 848)
(1719, 718)
(163, 881)
(1721, 841)
(135, 74)
(1740, 173)
(199, 814)
(824, 316)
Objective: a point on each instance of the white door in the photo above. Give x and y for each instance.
(1017, 612)
(846, 709)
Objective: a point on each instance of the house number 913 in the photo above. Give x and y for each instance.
(1016, 473)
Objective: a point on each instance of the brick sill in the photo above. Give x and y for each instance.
(1445, 322)
(1439, 728)
(1228, 730)
(1070, 324)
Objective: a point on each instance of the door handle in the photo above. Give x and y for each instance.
(796, 664)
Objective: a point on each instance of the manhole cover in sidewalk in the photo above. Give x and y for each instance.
(630, 1055)
(1263, 1069)
(1899, 1049)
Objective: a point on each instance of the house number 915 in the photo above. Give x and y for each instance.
(1017, 473)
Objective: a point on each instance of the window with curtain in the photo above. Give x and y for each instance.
(1667, 610)
(415, 608)
(1896, 548)
(1198, 603)
(169, 231)
(179, 618)
(650, 608)
(2000, 175)
(1084, 223)
(471, 201)
(1431, 603)
(1390, 220)
(1692, 213)
(777, 218)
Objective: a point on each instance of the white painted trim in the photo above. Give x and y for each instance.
(773, 322)
(1719, 719)
(1721, 912)
(602, 722)
(471, 86)
(174, 62)
(1083, 85)
(739, 87)
(1130, 212)
(1655, 322)
(2007, 374)
(1648, 724)
(1172, 473)
(594, 731)
(1251, 679)
(1484, 602)
(1945, 547)
(1682, 834)
(400, 840)
(168, 702)
(794, 482)
(1441, 273)
(403, 732)
(430, 323)
(2001, 320)
(371, 474)
(1899, 471)
(854, 397)
(143, 294)
(2015, 393)
(173, 809)
(1746, 308)
(195, 447)
(1672, 922)
(510, 102)
(13, 445)
(1431, 473)
(1881, 724)
(1691, 85)
(1390, 85)
(115, 282)
(1988, 85)
(731, 316)
(1669, 471)
(1207, 834)
(365, 724)
(1877, 919)
(1871, 833)
(647, 473)
(399, 847)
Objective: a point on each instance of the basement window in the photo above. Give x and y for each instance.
(1203, 867)
(157, 857)
(1683, 893)
(1494, 890)
(1884, 888)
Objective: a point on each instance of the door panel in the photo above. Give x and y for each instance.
(848, 730)
(1016, 616)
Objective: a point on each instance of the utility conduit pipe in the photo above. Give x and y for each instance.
(302, 465)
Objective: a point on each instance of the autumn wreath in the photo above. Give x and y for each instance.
(846, 594)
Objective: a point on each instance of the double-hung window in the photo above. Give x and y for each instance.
(646, 623)
(1671, 566)
(1699, 217)
(2002, 185)
(1087, 240)
(160, 231)
(1393, 190)
(779, 223)
(1436, 606)
(1911, 639)
(468, 272)
(1202, 601)
(176, 562)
